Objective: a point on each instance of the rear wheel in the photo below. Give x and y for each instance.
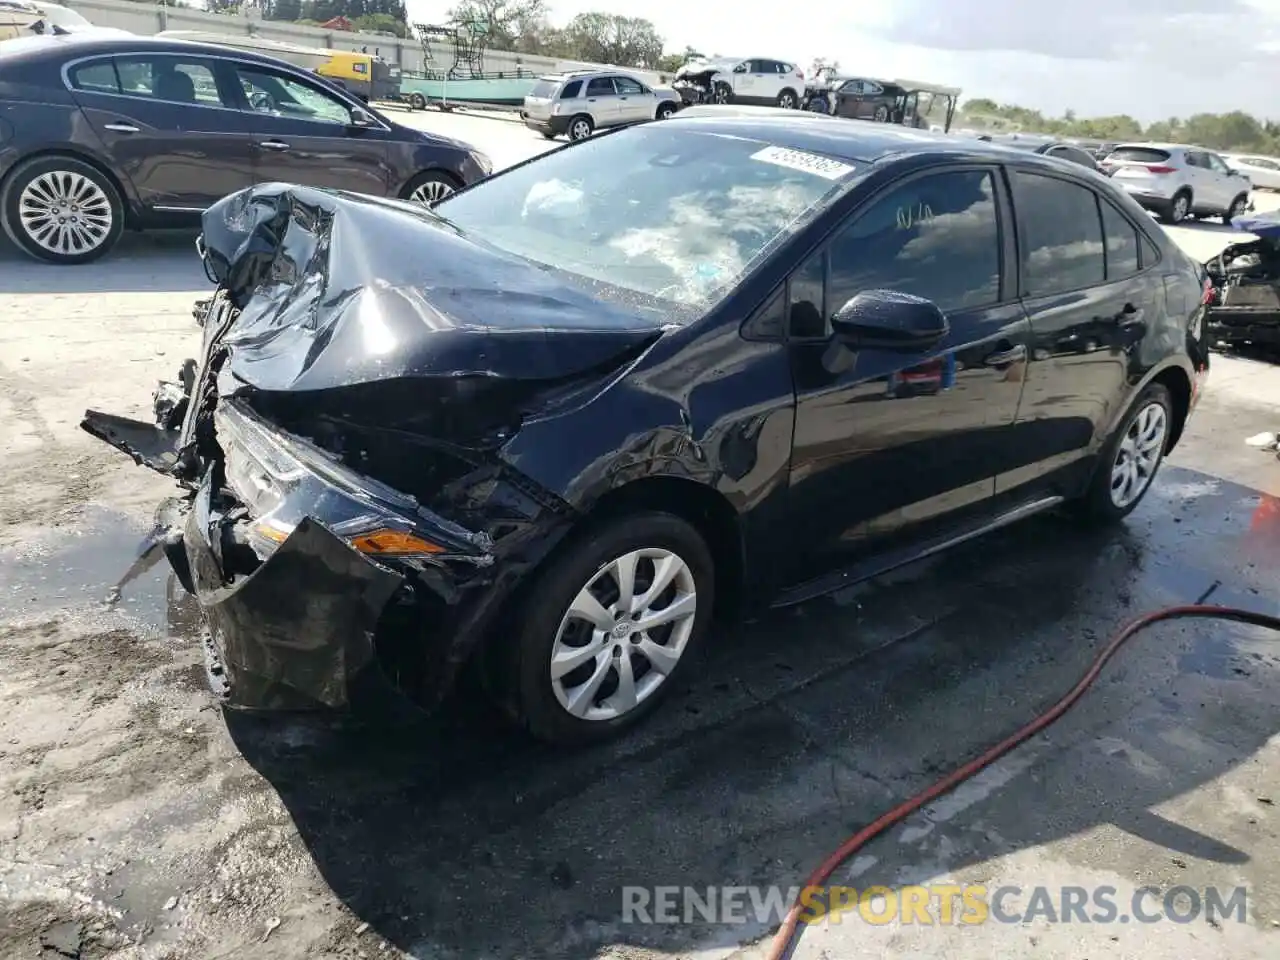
(581, 127)
(787, 100)
(1179, 208)
(430, 187)
(61, 210)
(665, 110)
(417, 101)
(882, 114)
(607, 628)
(1128, 463)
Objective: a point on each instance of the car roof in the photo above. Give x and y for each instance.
(1168, 147)
(859, 140)
(67, 46)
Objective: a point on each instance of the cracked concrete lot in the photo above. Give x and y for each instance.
(136, 821)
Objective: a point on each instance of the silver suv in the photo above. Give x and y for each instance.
(1175, 181)
(581, 102)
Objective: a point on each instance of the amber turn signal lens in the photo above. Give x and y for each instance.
(392, 543)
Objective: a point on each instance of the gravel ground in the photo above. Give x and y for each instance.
(137, 821)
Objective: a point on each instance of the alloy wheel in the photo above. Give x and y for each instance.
(721, 95)
(787, 102)
(1139, 454)
(623, 634)
(580, 130)
(65, 213)
(431, 191)
(1180, 208)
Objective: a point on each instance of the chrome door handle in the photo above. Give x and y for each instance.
(120, 127)
(273, 145)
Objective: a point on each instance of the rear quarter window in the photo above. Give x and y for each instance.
(544, 88)
(571, 90)
(1138, 155)
(96, 77)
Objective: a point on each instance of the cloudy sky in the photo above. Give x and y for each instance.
(1149, 58)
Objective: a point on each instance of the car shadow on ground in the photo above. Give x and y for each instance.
(457, 835)
(162, 261)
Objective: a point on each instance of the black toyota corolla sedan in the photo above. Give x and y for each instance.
(99, 133)
(552, 425)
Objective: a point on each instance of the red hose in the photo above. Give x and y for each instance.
(786, 935)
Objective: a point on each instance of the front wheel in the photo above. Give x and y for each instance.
(61, 210)
(606, 629)
(1128, 463)
(417, 101)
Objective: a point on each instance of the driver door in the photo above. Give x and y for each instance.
(303, 133)
(889, 444)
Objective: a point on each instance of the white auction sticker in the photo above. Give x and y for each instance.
(801, 160)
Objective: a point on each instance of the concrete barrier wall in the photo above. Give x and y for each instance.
(148, 19)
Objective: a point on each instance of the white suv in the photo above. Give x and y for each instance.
(1175, 181)
(755, 80)
(581, 102)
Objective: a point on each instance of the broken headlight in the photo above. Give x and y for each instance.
(282, 479)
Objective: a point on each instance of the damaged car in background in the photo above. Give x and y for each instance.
(1245, 302)
(548, 427)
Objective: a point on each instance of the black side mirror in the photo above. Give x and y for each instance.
(889, 320)
(362, 118)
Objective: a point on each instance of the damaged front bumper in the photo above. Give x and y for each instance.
(293, 557)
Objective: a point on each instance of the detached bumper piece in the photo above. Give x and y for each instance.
(294, 633)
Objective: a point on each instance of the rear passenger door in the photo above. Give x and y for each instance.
(889, 442)
(168, 122)
(1090, 293)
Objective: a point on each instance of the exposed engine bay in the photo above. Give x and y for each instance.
(1244, 303)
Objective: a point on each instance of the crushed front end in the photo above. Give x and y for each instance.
(1244, 305)
(345, 502)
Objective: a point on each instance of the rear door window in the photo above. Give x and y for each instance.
(1062, 246)
(600, 87)
(171, 79)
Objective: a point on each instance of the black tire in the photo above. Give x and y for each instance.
(526, 687)
(417, 101)
(721, 93)
(1174, 212)
(429, 187)
(547, 134)
(105, 200)
(1236, 209)
(666, 109)
(788, 100)
(881, 114)
(581, 127)
(1098, 504)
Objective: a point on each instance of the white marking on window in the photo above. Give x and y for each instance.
(807, 162)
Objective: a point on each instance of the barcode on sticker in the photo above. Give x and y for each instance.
(800, 160)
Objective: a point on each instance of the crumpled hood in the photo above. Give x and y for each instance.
(338, 289)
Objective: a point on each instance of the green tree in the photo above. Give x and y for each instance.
(610, 38)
